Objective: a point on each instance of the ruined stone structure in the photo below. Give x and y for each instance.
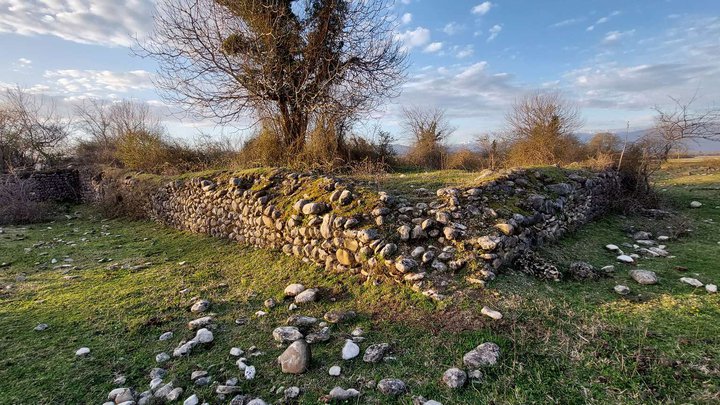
(346, 226)
(62, 185)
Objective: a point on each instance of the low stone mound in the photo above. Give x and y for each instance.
(346, 226)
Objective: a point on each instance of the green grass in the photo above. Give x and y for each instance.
(567, 342)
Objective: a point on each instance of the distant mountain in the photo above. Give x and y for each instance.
(693, 147)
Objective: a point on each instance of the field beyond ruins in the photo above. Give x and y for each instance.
(115, 286)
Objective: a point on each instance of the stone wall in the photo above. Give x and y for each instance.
(60, 185)
(346, 226)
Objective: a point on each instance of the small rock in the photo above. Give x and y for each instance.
(227, 389)
(695, 204)
(391, 386)
(249, 372)
(405, 265)
(491, 313)
(286, 334)
(375, 353)
(625, 259)
(582, 271)
(340, 394)
(317, 337)
(269, 303)
(306, 296)
(711, 288)
(486, 354)
(41, 327)
(350, 350)
(204, 336)
(644, 276)
(166, 336)
(336, 316)
(294, 289)
(197, 374)
(236, 352)
(83, 351)
(197, 323)
(296, 358)
(621, 289)
(162, 357)
(334, 371)
(454, 378)
(200, 306)
(174, 395)
(692, 281)
(191, 400)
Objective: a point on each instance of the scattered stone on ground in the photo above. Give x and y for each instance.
(376, 353)
(287, 334)
(350, 350)
(646, 277)
(196, 323)
(491, 313)
(200, 306)
(340, 394)
(711, 288)
(296, 358)
(236, 352)
(582, 271)
(695, 204)
(294, 289)
(41, 327)
(621, 289)
(454, 377)
(692, 281)
(391, 386)
(201, 336)
(625, 259)
(191, 400)
(162, 357)
(334, 371)
(309, 295)
(83, 351)
(166, 336)
(249, 372)
(486, 354)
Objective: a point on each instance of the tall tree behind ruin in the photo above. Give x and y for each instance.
(541, 130)
(286, 62)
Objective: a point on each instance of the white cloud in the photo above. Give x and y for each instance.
(414, 38)
(104, 22)
(463, 51)
(406, 1)
(452, 28)
(24, 62)
(614, 37)
(564, 23)
(603, 20)
(95, 83)
(494, 32)
(433, 47)
(482, 8)
(406, 18)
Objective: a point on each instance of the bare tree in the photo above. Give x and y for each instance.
(430, 128)
(285, 61)
(105, 123)
(542, 128)
(31, 130)
(681, 124)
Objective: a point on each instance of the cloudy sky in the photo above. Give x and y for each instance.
(616, 59)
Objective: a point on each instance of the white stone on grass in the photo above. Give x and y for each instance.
(711, 288)
(83, 351)
(646, 277)
(350, 350)
(334, 371)
(692, 281)
(249, 372)
(491, 313)
(695, 204)
(625, 259)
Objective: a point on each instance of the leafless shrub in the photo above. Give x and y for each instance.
(430, 129)
(16, 203)
(32, 131)
(542, 131)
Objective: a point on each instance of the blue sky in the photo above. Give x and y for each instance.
(616, 59)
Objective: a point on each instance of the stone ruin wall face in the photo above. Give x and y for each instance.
(61, 185)
(476, 229)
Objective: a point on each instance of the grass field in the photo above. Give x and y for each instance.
(567, 342)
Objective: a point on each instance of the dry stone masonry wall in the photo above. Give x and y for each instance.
(420, 238)
(62, 185)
